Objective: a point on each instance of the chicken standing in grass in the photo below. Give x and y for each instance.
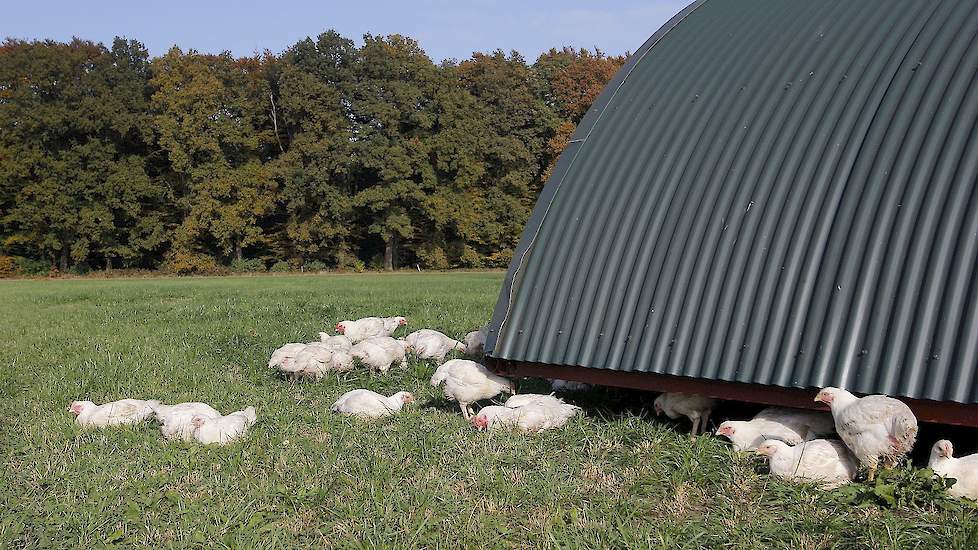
(475, 341)
(963, 470)
(876, 428)
(176, 421)
(789, 425)
(373, 356)
(361, 329)
(694, 407)
(467, 382)
(368, 404)
(529, 413)
(431, 344)
(396, 348)
(223, 429)
(825, 462)
(124, 411)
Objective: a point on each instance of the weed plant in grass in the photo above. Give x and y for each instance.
(423, 479)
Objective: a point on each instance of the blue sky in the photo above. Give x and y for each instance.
(445, 29)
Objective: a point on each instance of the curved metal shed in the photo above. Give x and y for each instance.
(771, 196)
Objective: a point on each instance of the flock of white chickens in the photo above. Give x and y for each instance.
(874, 430)
(185, 421)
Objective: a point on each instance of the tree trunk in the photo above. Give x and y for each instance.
(389, 253)
(395, 252)
(64, 259)
(238, 251)
(108, 263)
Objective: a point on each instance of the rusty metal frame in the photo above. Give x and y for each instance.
(943, 412)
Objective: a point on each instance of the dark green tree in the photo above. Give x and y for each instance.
(315, 83)
(73, 126)
(392, 111)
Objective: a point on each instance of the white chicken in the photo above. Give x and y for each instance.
(283, 357)
(368, 404)
(875, 428)
(397, 348)
(566, 386)
(362, 329)
(475, 341)
(524, 399)
(223, 429)
(373, 356)
(789, 425)
(124, 411)
(531, 415)
(431, 344)
(316, 359)
(696, 408)
(340, 341)
(176, 421)
(825, 462)
(342, 360)
(963, 470)
(467, 382)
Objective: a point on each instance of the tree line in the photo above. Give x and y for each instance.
(328, 154)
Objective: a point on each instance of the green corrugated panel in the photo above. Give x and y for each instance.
(770, 191)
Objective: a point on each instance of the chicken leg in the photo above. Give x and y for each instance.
(465, 410)
(696, 427)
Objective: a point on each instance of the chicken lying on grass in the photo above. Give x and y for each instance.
(694, 407)
(176, 421)
(368, 404)
(876, 428)
(431, 344)
(528, 413)
(314, 360)
(963, 470)
(368, 327)
(825, 462)
(339, 341)
(467, 382)
(789, 425)
(223, 429)
(116, 413)
(283, 358)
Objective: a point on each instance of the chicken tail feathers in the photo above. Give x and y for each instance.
(906, 431)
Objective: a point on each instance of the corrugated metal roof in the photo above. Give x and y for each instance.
(770, 191)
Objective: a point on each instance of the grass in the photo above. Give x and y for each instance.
(614, 478)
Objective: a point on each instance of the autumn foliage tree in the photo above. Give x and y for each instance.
(326, 154)
(212, 121)
(569, 81)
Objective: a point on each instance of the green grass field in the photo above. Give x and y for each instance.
(614, 478)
